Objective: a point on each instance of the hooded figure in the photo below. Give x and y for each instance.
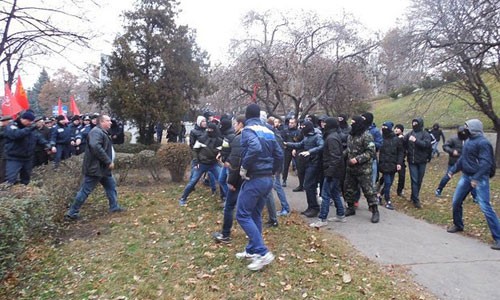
(197, 131)
(357, 125)
(308, 128)
(368, 117)
(387, 128)
(477, 163)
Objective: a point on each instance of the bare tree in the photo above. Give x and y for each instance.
(463, 37)
(30, 30)
(280, 54)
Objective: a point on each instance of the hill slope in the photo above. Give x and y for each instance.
(434, 106)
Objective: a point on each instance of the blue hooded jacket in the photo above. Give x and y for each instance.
(477, 157)
(261, 155)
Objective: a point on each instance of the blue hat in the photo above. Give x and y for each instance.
(28, 115)
(388, 124)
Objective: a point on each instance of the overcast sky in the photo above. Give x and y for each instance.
(216, 22)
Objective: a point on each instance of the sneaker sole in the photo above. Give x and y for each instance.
(262, 265)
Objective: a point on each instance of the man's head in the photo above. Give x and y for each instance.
(399, 129)
(252, 111)
(104, 122)
(292, 123)
(27, 118)
(76, 120)
(201, 121)
(62, 120)
(277, 123)
(239, 123)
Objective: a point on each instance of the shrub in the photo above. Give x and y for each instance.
(176, 157)
(135, 148)
(147, 159)
(123, 163)
(25, 212)
(61, 184)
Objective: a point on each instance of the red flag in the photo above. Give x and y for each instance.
(59, 107)
(20, 95)
(10, 107)
(74, 109)
(254, 95)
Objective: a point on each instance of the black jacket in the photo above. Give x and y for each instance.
(98, 154)
(391, 154)
(418, 152)
(195, 134)
(227, 138)
(234, 160)
(206, 148)
(333, 159)
(452, 144)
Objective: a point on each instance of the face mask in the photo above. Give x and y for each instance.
(462, 135)
(386, 131)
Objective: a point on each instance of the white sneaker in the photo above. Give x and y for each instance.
(341, 219)
(319, 223)
(261, 261)
(245, 255)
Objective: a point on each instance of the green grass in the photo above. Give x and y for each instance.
(434, 106)
(157, 250)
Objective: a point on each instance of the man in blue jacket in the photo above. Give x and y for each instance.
(262, 157)
(477, 162)
(21, 139)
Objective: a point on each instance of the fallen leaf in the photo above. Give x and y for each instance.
(346, 278)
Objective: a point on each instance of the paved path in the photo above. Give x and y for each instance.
(451, 266)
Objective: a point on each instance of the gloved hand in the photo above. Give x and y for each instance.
(243, 174)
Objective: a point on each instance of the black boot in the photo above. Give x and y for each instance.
(375, 213)
(350, 211)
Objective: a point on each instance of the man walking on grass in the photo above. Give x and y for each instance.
(262, 158)
(477, 164)
(97, 166)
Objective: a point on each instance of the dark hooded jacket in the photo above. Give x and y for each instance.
(312, 142)
(196, 132)
(20, 141)
(333, 158)
(452, 144)
(391, 153)
(477, 159)
(418, 151)
(228, 136)
(207, 147)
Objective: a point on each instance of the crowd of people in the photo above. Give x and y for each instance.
(29, 141)
(330, 155)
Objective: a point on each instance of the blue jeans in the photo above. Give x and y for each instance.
(417, 172)
(435, 149)
(388, 180)
(229, 206)
(310, 185)
(223, 182)
(483, 198)
(13, 168)
(211, 178)
(251, 201)
(331, 190)
(374, 172)
(271, 208)
(281, 194)
(88, 185)
(445, 178)
(444, 181)
(212, 169)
